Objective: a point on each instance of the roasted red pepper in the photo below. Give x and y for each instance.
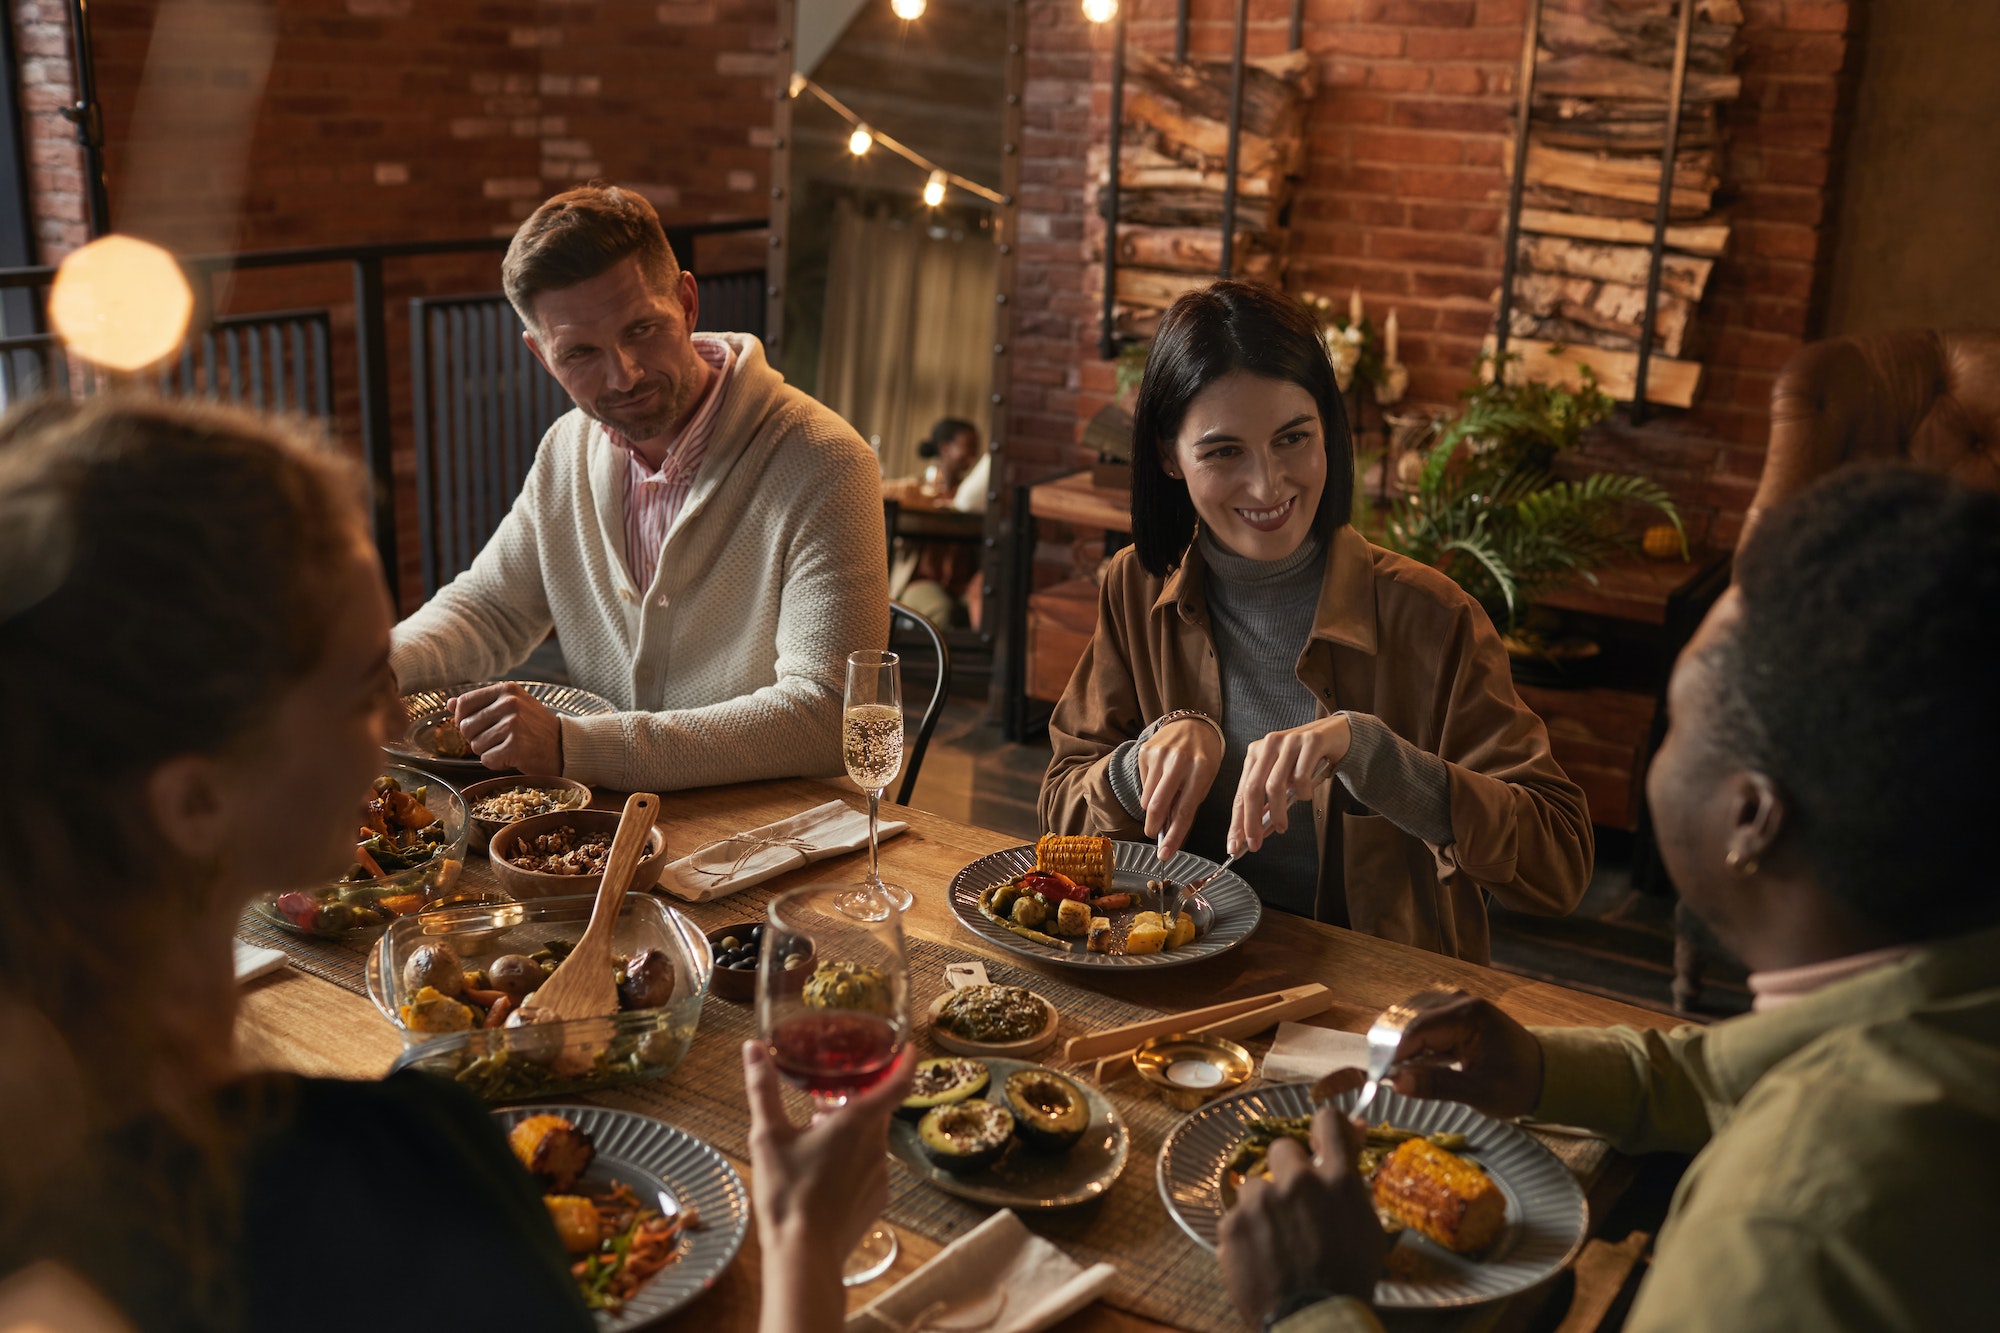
(299, 909)
(1052, 886)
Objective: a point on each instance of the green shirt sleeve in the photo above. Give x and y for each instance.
(1341, 1314)
(1645, 1091)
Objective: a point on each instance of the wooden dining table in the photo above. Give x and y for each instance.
(298, 1022)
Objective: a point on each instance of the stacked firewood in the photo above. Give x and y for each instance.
(1172, 168)
(1592, 183)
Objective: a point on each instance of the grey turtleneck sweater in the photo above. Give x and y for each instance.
(1260, 615)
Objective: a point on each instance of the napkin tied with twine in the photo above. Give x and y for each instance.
(728, 864)
(997, 1278)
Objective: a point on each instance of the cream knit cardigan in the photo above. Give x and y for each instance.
(731, 666)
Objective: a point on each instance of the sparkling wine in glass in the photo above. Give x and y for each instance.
(833, 1009)
(871, 744)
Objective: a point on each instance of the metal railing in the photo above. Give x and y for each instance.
(283, 360)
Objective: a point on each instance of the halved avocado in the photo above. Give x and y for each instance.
(944, 1082)
(965, 1136)
(1050, 1111)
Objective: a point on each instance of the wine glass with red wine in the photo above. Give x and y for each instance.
(833, 1008)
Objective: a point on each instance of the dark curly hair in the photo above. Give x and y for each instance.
(1207, 334)
(1864, 678)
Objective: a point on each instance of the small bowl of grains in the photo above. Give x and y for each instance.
(498, 802)
(564, 852)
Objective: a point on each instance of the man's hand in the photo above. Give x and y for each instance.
(817, 1190)
(1282, 768)
(1310, 1227)
(1177, 766)
(1468, 1050)
(508, 729)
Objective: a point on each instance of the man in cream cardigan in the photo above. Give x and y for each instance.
(705, 540)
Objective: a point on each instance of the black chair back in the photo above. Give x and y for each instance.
(913, 625)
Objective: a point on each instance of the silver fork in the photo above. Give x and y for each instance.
(1385, 1034)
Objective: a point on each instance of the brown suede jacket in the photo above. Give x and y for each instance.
(1392, 638)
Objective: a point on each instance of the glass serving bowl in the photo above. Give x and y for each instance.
(507, 1064)
(350, 907)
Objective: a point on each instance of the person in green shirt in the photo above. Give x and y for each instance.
(1818, 798)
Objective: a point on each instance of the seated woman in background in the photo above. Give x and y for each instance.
(1827, 765)
(195, 631)
(942, 580)
(1252, 650)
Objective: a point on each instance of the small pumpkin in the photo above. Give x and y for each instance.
(1663, 541)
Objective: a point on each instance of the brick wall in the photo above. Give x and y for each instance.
(388, 120)
(1404, 196)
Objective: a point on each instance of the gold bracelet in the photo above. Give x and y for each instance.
(1180, 713)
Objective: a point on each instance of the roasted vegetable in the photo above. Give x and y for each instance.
(1087, 860)
(551, 1147)
(517, 974)
(646, 981)
(428, 1011)
(1182, 930)
(1072, 918)
(848, 986)
(1440, 1195)
(1148, 934)
(1004, 897)
(944, 1082)
(1052, 887)
(1050, 1112)
(436, 966)
(1030, 911)
(576, 1221)
(965, 1136)
(1099, 938)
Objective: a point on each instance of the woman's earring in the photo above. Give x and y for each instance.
(1741, 864)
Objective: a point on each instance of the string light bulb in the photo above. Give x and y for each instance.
(860, 141)
(907, 10)
(1100, 11)
(121, 302)
(934, 189)
(799, 82)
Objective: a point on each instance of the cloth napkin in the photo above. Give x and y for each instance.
(252, 961)
(751, 857)
(1305, 1054)
(997, 1278)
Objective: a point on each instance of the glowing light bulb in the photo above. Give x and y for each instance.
(798, 83)
(934, 189)
(121, 302)
(1100, 11)
(860, 141)
(907, 9)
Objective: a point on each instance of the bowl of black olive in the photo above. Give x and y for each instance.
(739, 951)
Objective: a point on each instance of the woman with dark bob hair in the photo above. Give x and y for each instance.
(1252, 648)
(194, 635)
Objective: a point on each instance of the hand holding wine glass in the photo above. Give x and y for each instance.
(871, 744)
(833, 1009)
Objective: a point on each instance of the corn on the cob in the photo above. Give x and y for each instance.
(1443, 1196)
(552, 1148)
(1087, 860)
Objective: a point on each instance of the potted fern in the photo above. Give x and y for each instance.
(1489, 512)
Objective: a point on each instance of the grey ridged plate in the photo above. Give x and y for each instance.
(1545, 1210)
(1236, 906)
(426, 708)
(652, 1158)
(1024, 1179)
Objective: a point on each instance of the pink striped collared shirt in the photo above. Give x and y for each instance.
(653, 499)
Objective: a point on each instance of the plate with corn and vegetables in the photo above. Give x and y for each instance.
(1090, 902)
(1480, 1209)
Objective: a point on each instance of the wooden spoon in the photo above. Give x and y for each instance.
(583, 985)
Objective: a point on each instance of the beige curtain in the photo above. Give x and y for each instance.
(908, 336)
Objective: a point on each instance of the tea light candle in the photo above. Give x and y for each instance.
(1194, 1074)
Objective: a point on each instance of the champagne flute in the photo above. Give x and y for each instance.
(871, 743)
(833, 1009)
